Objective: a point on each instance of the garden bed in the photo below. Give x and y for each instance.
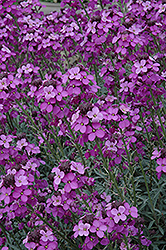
(83, 125)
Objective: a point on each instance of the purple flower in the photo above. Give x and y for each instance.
(131, 210)
(5, 141)
(91, 27)
(5, 194)
(59, 175)
(140, 66)
(124, 123)
(20, 179)
(95, 131)
(95, 114)
(46, 235)
(90, 242)
(27, 69)
(49, 92)
(98, 228)
(23, 194)
(48, 246)
(81, 123)
(71, 182)
(82, 229)
(3, 83)
(74, 73)
(112, 114)
(56, 200)
(86, 78)
(119, 214)
(104, 26)
(155, 154)
(21, 143)
(77, 166)
(60, 93)
(47, 105)
(161, 165)
(32, 148)
(122, 47)
(31, 245)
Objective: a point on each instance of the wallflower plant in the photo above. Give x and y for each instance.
(82, 125)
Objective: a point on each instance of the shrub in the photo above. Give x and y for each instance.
(82, 125)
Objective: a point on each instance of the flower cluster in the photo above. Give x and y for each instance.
(82, 118)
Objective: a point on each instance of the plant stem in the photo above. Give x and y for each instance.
(53, 229)
(35, 126)
(131, 170)
(110, 174)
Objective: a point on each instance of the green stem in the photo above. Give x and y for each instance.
(126, 241)
(55, 138)
(77, 146)
(86, 204)
(101, 4)
(147, 187)
(35, 126)
(84, 9)
(125, 181)
(11, 235)
(112, 177)
(158, 114)
(131, 171)
(53, 229)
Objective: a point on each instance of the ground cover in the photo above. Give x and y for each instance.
(82, 125)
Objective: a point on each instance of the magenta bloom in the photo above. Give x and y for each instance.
(98, 228)
(27, 68)
(82, 229)
(81, 123)
(77, 166)
(56, 200)
(162, 165)
(21, 143)
(122, 47)
(91, 27)
(86, 78)
(30, 245)
(47, 235)
(119, 214)
(124, 123)
(21, 180)
(49, 92)
(131, 210)
(60, 93)
(59, 175)
(48, 246)
(140, 67)
(155, 154)
(94, 132)
(95, 114)
(5, 194)
(71, 182)
(91, 242)
(112, 114)
(74, 73)
(23, 194)
(32, 148)
(4, 140)
(47, 105)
